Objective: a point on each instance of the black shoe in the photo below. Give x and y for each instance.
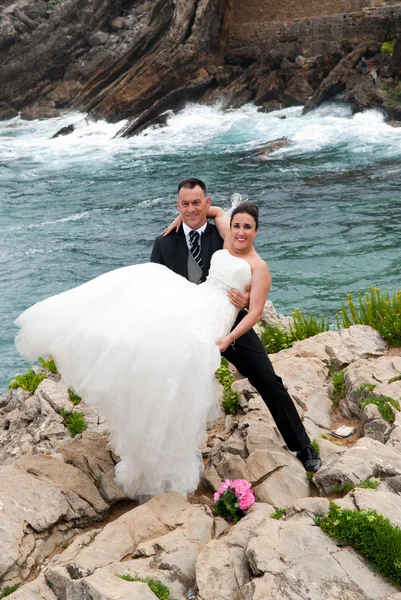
(309, 458)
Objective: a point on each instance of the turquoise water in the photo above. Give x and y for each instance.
(74, 207)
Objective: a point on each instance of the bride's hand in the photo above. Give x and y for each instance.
(176, 224)
(238, 298)
(224, 342)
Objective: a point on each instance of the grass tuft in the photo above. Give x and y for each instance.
(315, 446)
(344, 488)
(75, 399)
(278, 512)
(49, 364)
(384, 404)
(160, 590)
(29, 381)
(9, 589)
(368, 532)
(370, 484)
(376, 309)
(230, 404)
(339, 390)
(275, 339)
(74, 421)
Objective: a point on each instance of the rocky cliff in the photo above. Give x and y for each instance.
(68, 533)
(134, 59)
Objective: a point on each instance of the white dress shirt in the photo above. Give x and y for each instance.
(188, 229)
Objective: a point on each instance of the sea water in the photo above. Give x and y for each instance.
(74, 207)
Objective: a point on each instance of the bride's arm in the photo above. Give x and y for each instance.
(261, 282)
(221, 220)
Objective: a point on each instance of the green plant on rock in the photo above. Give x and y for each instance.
(74, 421)
(29, 381)
(306, 326)
(160, 590)
(275, 339)
(396, 378)
(75, 399)
(278, 512)
(9, 589)
(230, 404)
(339, 389)
(98, 480)
(365, 390)
(309, 475)
(376, 309)
(344, 488)
(48, 364)
(370, 484)
(324, 436)
(384, 404)
(315, 446)
(368, 532)
(387, 47)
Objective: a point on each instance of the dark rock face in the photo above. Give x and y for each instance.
(136, 59)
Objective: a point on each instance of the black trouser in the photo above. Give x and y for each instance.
(250, 358)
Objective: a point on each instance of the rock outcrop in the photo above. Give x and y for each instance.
(56, 499)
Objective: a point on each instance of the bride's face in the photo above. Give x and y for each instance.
(243, 231)
(193, 206)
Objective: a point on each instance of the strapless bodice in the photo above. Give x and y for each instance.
(228, 271)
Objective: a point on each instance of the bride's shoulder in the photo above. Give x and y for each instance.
(259, 266)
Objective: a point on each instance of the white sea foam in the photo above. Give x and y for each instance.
(76, 217)
(206, 128)
(33, 251)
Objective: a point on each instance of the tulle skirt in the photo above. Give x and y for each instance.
(139, 343)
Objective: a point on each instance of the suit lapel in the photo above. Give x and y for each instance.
(180, 253)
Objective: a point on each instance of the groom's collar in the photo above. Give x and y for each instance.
(188, 229)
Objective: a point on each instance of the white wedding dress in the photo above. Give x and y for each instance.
(140, 344)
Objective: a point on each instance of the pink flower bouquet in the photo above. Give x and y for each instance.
(232, 499)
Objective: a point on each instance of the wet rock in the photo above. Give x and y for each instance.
(7, 112)
(271, 106)
(337, 78)
(297, 91)
(265, 150)
(271, 89)
(64, 131)
(38, 112)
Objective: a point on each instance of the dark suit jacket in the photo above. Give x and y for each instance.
(172, 252)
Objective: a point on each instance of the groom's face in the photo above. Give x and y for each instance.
(193, 206)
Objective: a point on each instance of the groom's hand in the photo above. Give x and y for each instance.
(238, 298)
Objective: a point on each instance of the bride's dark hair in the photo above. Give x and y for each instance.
(249, 208)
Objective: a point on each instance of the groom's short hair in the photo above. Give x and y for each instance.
(191, 183)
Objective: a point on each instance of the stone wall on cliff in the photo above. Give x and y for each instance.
(284, 11)
(317, 34)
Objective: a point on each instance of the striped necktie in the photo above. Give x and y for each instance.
(194, 240)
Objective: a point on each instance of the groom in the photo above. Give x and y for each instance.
(188, 252)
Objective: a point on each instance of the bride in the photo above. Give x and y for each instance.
(142, 344)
